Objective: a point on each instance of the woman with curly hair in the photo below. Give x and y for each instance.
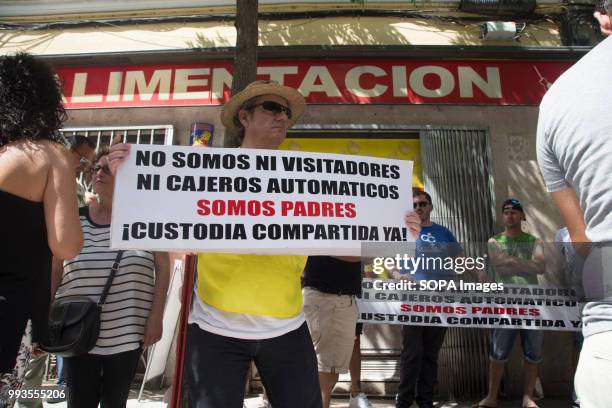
(37, 198)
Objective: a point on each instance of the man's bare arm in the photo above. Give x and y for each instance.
(511, 265)
(573, 216)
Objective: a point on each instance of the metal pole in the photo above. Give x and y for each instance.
(144, 379)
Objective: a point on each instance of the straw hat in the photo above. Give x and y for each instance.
(296, 101)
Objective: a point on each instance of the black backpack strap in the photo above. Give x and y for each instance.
(109, 281)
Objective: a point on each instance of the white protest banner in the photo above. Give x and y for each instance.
(467, 304)
(172, 198)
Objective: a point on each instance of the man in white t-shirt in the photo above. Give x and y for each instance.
(574, 147)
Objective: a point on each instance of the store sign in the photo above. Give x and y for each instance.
(258, 201)
(466, 304)
(487, 82)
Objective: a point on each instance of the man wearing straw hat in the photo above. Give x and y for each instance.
(248, 308)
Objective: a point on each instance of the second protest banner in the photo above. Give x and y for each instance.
(457, 304)
(172, 198)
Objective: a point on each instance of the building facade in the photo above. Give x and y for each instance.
(452, 85)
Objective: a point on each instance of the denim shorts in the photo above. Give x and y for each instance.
(502, 341)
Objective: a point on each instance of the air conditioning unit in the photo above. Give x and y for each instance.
(498, 30)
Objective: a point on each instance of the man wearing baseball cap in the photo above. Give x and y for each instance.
(517, 258)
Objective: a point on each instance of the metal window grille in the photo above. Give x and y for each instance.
(458, 173)
(102, 136)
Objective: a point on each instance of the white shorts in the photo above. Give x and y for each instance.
(593, 380)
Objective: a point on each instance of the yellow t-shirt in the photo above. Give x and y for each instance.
(267, 285)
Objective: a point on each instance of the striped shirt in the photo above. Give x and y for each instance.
(130, 296)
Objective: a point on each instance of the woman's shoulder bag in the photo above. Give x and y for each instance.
(74, 322)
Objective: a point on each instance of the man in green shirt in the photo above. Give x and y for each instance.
(516, 255)
(517, 258)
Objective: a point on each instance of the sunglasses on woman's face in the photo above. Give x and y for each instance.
(421, 204)
(274, 107)
(104, 168)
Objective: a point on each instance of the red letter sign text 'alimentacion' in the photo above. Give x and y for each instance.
(485, 82)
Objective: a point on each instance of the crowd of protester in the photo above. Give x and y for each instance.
(301, 341)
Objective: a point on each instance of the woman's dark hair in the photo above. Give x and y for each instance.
(30, 100)
(103, 151)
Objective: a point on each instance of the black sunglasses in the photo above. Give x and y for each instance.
(104, 168)
(273, 107)
(421, 204)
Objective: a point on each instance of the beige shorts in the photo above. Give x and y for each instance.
(331, 320)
